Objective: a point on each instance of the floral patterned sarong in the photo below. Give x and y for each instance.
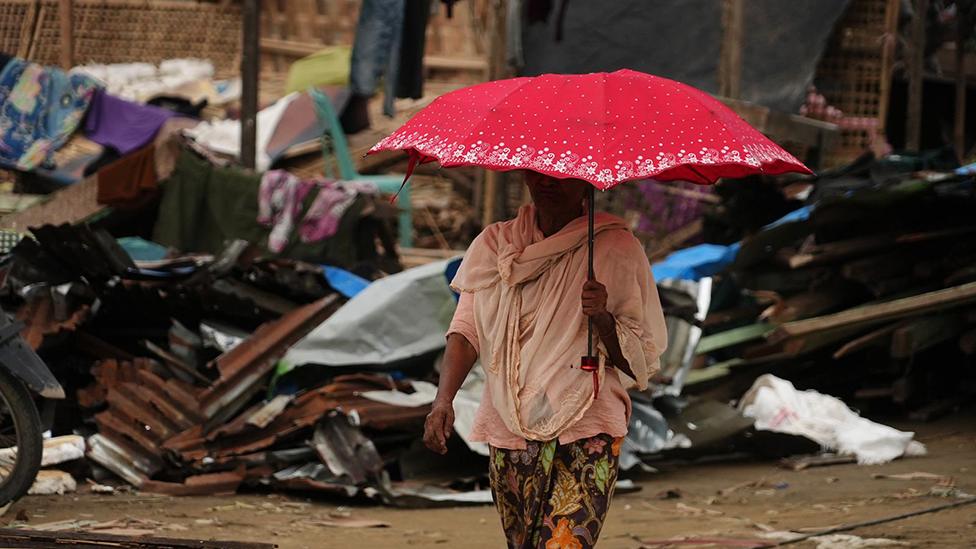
(554, 496)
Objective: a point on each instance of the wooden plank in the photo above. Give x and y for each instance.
(868, 269)
(785, 127)
(935, 410)
(10, 537)
(730, 338)
(474, 64)
(869, 314)
(835, 251)
(675, 239)
(799, 463)
(922, 333)
(66, 16)
(297, 49)
(875, 338)
(813, 302)
(290, 47)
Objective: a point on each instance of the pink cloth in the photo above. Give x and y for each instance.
(280, 205)
(521, 311)
(281, 198)
(609, 414)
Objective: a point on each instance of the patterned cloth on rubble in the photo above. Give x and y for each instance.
(554, 496)
(281, 200)
(40, 107)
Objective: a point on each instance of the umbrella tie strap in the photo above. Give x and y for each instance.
(414, 158)
(592, 364)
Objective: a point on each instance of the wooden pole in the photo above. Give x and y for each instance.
(916, 69)
(66, 15)
(960, 120)
(892, 12)
(732, 46)
(494, 201)
(250, 69)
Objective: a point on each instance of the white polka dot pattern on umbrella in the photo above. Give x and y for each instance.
(605, 128)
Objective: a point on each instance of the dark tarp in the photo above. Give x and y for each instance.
(682, 40)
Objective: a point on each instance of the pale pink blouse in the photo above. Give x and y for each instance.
(609, 414)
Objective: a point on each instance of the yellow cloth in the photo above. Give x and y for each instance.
(329, 67)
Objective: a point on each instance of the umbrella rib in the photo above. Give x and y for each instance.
(606, 119)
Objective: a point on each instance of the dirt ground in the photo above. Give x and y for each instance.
(777, 499)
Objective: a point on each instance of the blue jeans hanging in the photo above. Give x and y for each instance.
(376, 50)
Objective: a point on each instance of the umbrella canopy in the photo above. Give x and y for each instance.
(604, 128)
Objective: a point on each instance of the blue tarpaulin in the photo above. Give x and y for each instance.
(140, 249)
(344, 282)
(696, 262)
(703, 260)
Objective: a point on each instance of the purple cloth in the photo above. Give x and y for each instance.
(123, 125)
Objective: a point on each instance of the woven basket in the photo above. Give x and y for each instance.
(122, 31)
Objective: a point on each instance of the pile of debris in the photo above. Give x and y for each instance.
(852, 292)
(171, 366)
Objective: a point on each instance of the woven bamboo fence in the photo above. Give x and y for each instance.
(119, 31)
(855, 73)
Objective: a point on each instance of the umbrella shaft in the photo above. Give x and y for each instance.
(591, 207)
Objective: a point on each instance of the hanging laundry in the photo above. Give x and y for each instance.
(169, 144)
(280, 200)
(204, 206)
(129, 181)
(190, 79)
(331, 203)
(123, 125)
(4, 59)
(410, 76)
(376, 50)
(40, 107)
(224, 136)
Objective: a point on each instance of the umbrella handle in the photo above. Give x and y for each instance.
(590, 362)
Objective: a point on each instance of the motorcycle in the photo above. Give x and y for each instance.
(23, 378)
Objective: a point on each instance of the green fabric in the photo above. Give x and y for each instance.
(329, 67)
(203, 207)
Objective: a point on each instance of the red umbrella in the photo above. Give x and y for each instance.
(604, 128)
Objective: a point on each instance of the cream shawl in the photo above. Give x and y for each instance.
(530, 324)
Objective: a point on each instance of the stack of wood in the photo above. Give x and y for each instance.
(442, 218)
(870, 297)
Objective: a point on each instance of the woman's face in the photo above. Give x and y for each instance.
(557, 194)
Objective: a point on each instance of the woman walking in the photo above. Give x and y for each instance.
(554, 430)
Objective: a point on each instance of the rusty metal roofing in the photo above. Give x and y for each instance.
(40, 320)
(241, 367)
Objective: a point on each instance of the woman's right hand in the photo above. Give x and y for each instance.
(439, 425)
